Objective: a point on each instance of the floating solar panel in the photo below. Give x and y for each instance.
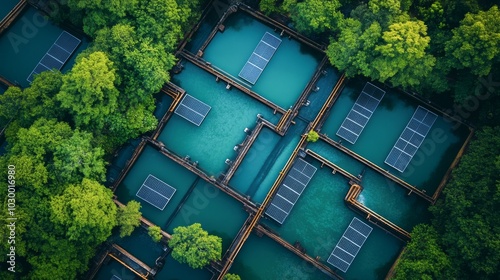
(57, 55)
(360, 113)
(290, 190)
(155, 192)
(192, 109)
(349, 244)
(411, 138)
(260, 57)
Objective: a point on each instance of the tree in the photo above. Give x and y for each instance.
(312, 136)
(402, 58)
(466, 216)
(155, 233)
(230, 276)
(85, 211)
(129, 217)
(475, 42)
(193, 245)
(88, 90)
(316, 16)
(423, 258)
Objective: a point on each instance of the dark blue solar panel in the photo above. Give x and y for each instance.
(155, 192)
(374, 91)
(294, 184)
(264, 50)
(288, 193)
(357, 118)
(189, 114)
(196, 105)
(420, 113)
(282, 203)
(417, 139)
(258, 61)
(58, 53)
(352, 126)
(309, 170)
(271, 40)
(349, 244)
(299, 176)
(300, 165)
(40, 68)
(68, 42)
(152, 197)
(159, 186)
(192, 110)
(51, 62)
(430, 118)
(250, 73)
(363, 111)
(347, 135)
(275, 213)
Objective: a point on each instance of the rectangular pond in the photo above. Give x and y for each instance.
(213, 141)
(287, 73)
(173, 270)
(150, 161)
(430, 162)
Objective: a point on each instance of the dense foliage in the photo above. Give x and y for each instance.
(194, 246)
(62, 127)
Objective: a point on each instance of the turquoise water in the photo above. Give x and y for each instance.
(287, 73)
(152, 162)
(217, 212)
(261, 258)
(141, 246)
(284, 149)
(433, 158)
(163, 103)
(6, 7)
(392, 201)
(114, 268)
(319, 219)
(338, 157)
(213, 141)
(173, 270)
(25, 43)
(254, 161)
(326, 82)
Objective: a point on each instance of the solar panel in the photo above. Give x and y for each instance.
(349, 244)
(155, 192)
(259, 58)
(410, 139)
(290, 190)
(192, 109)
(57, 54)
(360, 113)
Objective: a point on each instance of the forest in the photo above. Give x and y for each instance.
(63, 129)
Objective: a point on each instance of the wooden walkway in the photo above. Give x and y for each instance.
(125, 258)
(316, 125)
(377, 168)
(333, 166)
(6, 82)
(321, 266)
(219, 26)
(12, 15)
(351, 199)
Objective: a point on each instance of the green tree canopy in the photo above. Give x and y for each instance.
(85, 211)
(231, 276)
(423, 257)
(155, 233)
(316, 15)
(88, 90)
(194, 246)
(129, 217)
(475, 43)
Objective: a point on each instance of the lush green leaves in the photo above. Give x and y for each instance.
(194, 246)
(316, 15)
(129, 217)
(155, 233)
(85, 211)
(231, 276)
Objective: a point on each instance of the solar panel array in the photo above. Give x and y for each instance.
(260, 57)
(410, 140)
(192, 109)
(155, 192)
(57, 55)
(349, 244)
(360, 113)
(290, 190)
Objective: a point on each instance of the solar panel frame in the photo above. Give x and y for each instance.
(349, 245)
(361, 112)
(290, 190)
(192, 110)
(158, 191)
(57, 55)
(259, 58)
(413, 135)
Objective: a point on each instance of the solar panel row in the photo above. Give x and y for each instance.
(410, 139)
(349, 244)
(360, 113)
(57, 55)
(290, 190)
(192, 109)
(155, 192)
(258, 60)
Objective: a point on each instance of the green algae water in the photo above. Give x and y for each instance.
(153, 162)
(213, 141)
(217, 212)
(25, 42)
(286, 74)
(431, 161)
